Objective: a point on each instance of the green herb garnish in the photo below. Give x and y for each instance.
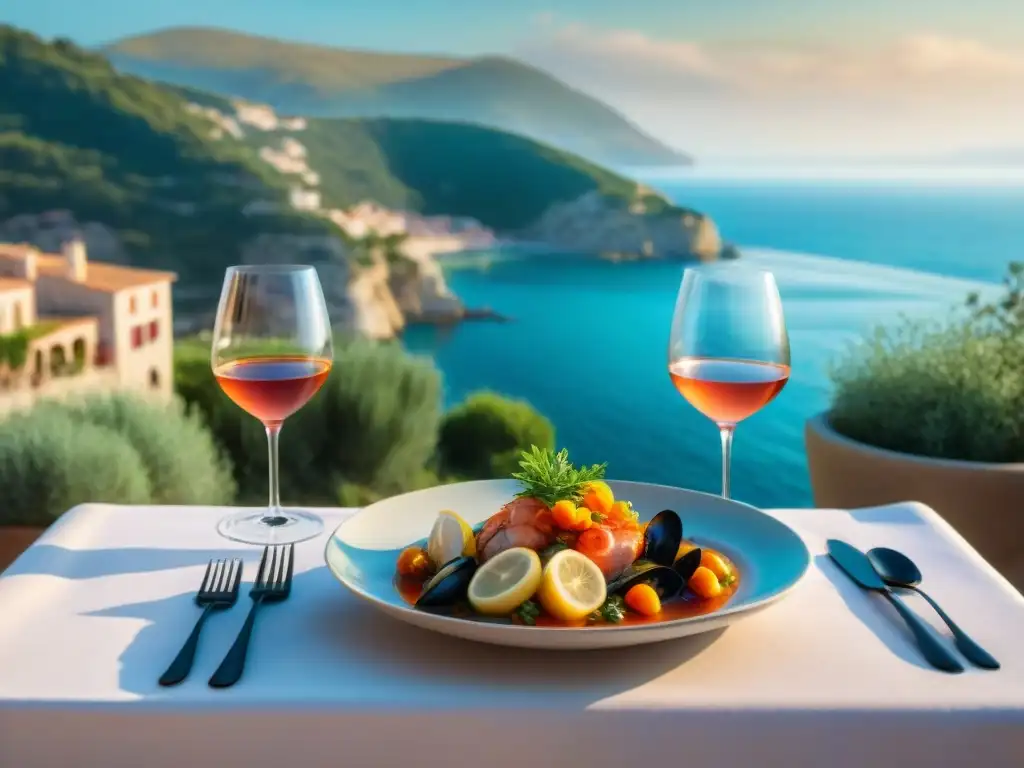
(528, 612)
(552, 549)
(612, 610)
(551, 477)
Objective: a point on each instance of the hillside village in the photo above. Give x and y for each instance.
(68, 324)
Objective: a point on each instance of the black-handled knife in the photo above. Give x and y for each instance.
(857, 566)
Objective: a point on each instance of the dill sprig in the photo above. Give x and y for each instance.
(551, 477)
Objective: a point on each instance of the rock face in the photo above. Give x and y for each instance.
(376, 299)
(598, 224)
(49, 231)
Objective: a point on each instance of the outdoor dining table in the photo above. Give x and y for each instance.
(94, 611)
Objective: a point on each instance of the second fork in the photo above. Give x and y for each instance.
(273, 584)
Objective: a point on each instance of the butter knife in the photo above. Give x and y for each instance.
(857, 566)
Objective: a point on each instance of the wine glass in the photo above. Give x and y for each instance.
(728, 354)
(272, 352)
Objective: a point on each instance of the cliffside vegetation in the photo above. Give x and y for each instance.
(75, 134)
(502, 180)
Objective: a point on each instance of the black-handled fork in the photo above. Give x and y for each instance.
(273, 584)
(218, 590)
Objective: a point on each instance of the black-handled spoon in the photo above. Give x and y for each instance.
(898, 570)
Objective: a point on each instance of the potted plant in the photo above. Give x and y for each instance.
(934, 412)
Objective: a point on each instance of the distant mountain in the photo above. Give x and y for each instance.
(311, 80)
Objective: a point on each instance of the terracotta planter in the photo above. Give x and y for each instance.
(14, 540)
(984, 502)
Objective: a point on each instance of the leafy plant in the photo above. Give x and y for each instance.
(371, 431)
(14, 349)
(952, 390)
(183, 463)
(374, 423)
(49, 463)
(485, 436)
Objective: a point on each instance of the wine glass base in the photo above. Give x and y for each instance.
(284, 526)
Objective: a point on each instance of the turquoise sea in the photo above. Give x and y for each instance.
(587, 345)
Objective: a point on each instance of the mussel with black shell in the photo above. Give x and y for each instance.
(688, 564)
(662, 538)
(449, 585)
(665, 580)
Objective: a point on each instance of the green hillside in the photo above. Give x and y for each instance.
(77, 135)
(436, 168)
(502, 180)
(321, 81)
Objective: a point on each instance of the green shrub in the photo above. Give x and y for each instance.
(953, 390)
(374, 424)
(182, 461)
(49, 463)
(235, 431)
(370, 431)
(483, 437)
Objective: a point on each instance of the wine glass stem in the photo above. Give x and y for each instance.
(726, 430)
(274, 506)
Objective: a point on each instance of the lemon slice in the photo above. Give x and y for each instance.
(572, 586)
(445, 541)
(504, 582)
(468, 537)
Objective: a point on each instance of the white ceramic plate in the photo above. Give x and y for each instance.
(771, 558)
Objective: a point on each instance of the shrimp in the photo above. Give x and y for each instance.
(613, 547)
(523, 522)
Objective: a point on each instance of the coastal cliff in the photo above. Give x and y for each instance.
(648, 227)
(374, 293)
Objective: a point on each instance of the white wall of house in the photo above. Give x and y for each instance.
(144, 338)
(17, 309)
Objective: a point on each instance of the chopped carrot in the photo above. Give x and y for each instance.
(598, 497)
(714, 563)
(622, 511)
(644, 600)
(414, 563)
(583, 520)
(596, 541)
(705, 584)
(564, 514)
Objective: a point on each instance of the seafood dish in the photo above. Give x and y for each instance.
(564, 552)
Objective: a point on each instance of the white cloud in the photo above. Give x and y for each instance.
(880, 94)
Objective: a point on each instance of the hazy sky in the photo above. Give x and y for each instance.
(718, 77)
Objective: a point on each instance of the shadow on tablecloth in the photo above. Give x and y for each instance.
(324, 645)
(875, 612)
(54, 560)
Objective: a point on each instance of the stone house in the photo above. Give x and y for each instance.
(86, 324)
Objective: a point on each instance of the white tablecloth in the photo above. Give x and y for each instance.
(91, 615)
